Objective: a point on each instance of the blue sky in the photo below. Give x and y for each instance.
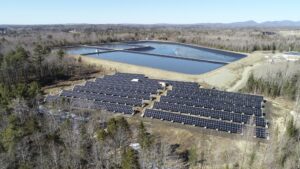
(146, 11)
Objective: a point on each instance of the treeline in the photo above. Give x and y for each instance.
(235, 39)
(274, 80)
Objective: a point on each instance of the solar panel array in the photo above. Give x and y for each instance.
(184, 102)
(117, 93)
(219, 107)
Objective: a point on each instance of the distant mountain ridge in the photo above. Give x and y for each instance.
(244, 24)
(251, 23)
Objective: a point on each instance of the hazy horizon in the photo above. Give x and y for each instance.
(156, 23)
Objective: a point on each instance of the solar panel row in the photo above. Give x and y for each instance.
(212, 105)
(128, 82)
(200, 122)
(217, 93)
(141, 80)
(118, 93)
(114, 107)
(129, 75)
(120, 108)
(102, 98)
(226, 100)
(216, 114)
(120, 86)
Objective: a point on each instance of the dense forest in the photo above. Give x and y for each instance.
(33, 140)
(30, 137)
(23, 72)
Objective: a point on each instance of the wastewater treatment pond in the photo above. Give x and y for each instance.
(173, 57)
